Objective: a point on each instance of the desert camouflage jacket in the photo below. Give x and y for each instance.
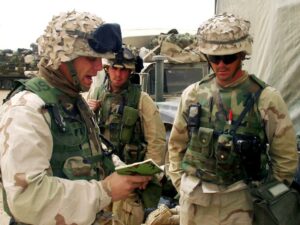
(278, 128)
(33, 196)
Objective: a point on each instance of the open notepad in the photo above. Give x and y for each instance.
(147, 167)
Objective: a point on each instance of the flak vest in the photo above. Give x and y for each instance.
(229, 143)
(72, 157)
(119, 121)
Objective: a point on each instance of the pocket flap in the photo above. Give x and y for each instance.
(130, 116)
(205, 135)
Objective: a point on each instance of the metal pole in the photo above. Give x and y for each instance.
(159, 77)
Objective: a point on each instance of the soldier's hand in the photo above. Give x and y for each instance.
(121, 185)
(93, 104)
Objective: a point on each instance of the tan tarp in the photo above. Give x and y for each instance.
(276, 51)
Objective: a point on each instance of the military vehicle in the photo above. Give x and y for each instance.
(170, 65)
(14, 65)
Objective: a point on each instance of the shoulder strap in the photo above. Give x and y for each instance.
(40, 87)
(249, 104)
(258, 81)
(250, 101)
(18, 87)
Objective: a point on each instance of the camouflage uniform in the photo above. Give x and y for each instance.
(204, 199)
(148, 132)
(35, 194)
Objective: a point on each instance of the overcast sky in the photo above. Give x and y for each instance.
(23, 21)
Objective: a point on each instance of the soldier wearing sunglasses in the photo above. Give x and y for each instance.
(226, 128)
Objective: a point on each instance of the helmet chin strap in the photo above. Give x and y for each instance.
(74, 75)
(239, 67)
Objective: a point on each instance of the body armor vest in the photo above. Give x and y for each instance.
(119, 121)
(228, 144)
(72, 156)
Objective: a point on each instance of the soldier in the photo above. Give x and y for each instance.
(130, 120)
(52, 161)
(222, 130)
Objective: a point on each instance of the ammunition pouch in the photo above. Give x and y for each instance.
(227, 160)
(129, 118)
(224, 158)
(200, 149)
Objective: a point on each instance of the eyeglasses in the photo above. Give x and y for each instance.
(227, 59)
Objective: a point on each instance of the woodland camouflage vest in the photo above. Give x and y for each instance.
(221, 150)
(72, 157)
(119, 120)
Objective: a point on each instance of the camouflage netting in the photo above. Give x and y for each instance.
(224, 34)
(177, 48)
(65, 38)
(20, 62)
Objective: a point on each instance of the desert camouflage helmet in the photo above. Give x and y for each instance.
(126, 58)
(224, 34)
(67, 37)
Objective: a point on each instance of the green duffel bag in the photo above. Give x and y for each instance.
(274, 203)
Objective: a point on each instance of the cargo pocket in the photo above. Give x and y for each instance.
(191, 192)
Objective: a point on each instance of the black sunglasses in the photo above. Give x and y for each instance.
(227, 59)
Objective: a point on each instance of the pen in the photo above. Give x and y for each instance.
(230, 115)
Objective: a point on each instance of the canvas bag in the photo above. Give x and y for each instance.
(275, 203)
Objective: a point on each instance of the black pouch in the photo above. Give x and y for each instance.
(274, 203)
